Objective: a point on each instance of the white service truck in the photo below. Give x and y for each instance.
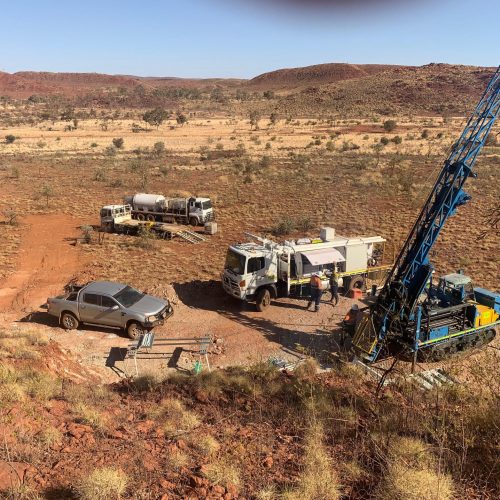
(262, 270)
(158, 208)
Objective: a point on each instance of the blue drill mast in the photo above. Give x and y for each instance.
(412, 313)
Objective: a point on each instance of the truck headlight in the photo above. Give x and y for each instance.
(150, 319)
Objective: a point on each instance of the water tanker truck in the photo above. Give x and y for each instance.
(158, 208)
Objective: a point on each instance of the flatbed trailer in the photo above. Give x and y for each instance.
(163, 230)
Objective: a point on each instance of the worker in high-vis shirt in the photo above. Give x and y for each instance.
(316, 291)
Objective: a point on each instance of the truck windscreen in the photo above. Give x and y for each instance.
(206, 205)
(235, 262)
(128, 296)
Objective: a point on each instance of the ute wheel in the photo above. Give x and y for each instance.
(69, 321)
(140, 217)
(263, 299)
(357, 282)
(193, 221)
(134, 330)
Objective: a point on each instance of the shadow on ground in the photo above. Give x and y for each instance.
(321, 343)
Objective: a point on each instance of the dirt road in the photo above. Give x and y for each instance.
(47, 259)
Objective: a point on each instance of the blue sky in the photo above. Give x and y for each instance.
(238, 38)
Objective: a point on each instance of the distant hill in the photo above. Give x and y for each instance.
(318, 74)
(336, 88)
(434, 88)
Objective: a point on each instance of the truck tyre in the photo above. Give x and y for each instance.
(150, 218)
(263, 299)
(69, 321)
(357, 281)
(134, 330)
(140, 217)
(193, 221)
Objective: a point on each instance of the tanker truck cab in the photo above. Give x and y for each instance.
(200, 211)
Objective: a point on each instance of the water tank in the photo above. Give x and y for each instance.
(177, 204)
(327, 233)
(148, 202)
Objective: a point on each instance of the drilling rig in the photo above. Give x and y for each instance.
(416, 317)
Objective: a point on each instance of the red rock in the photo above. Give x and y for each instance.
(268, 462)
(232, 490)
(117, 435)
(144, 427)
(218, 489)
(164, 497)
(167, 485)
(201, 396)
(181, 444)
(12, 474)
(203, 470)
(196, 481)
(78, 430)
(202, 492)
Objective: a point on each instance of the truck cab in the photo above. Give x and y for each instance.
(200, 211)
(248, 268)
(111, 214)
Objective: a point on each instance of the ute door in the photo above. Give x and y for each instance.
(92, 310)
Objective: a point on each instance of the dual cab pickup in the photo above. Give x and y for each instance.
(105, 303)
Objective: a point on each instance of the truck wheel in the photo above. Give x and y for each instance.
(263, 299)
(193, 221)
(150, 218)
(140, 217)
(134, 330)
(69, 321)
(357, 282)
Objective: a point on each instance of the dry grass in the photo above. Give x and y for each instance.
(177, 459)
(318, 479)
(206, 444)
(103, 484)
(20, 344)
(90, 416)
(412, 473)
(407, 483)
(224, 472)
(174, 417)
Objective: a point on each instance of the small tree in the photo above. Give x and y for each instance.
(254, 119)
(181, 119)
(47, 191)
(159, 148)
(273, 119)
(87, 234)
(155, 117)
(9, 139)
(118, 142)
(10, 216)
(389, 125)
